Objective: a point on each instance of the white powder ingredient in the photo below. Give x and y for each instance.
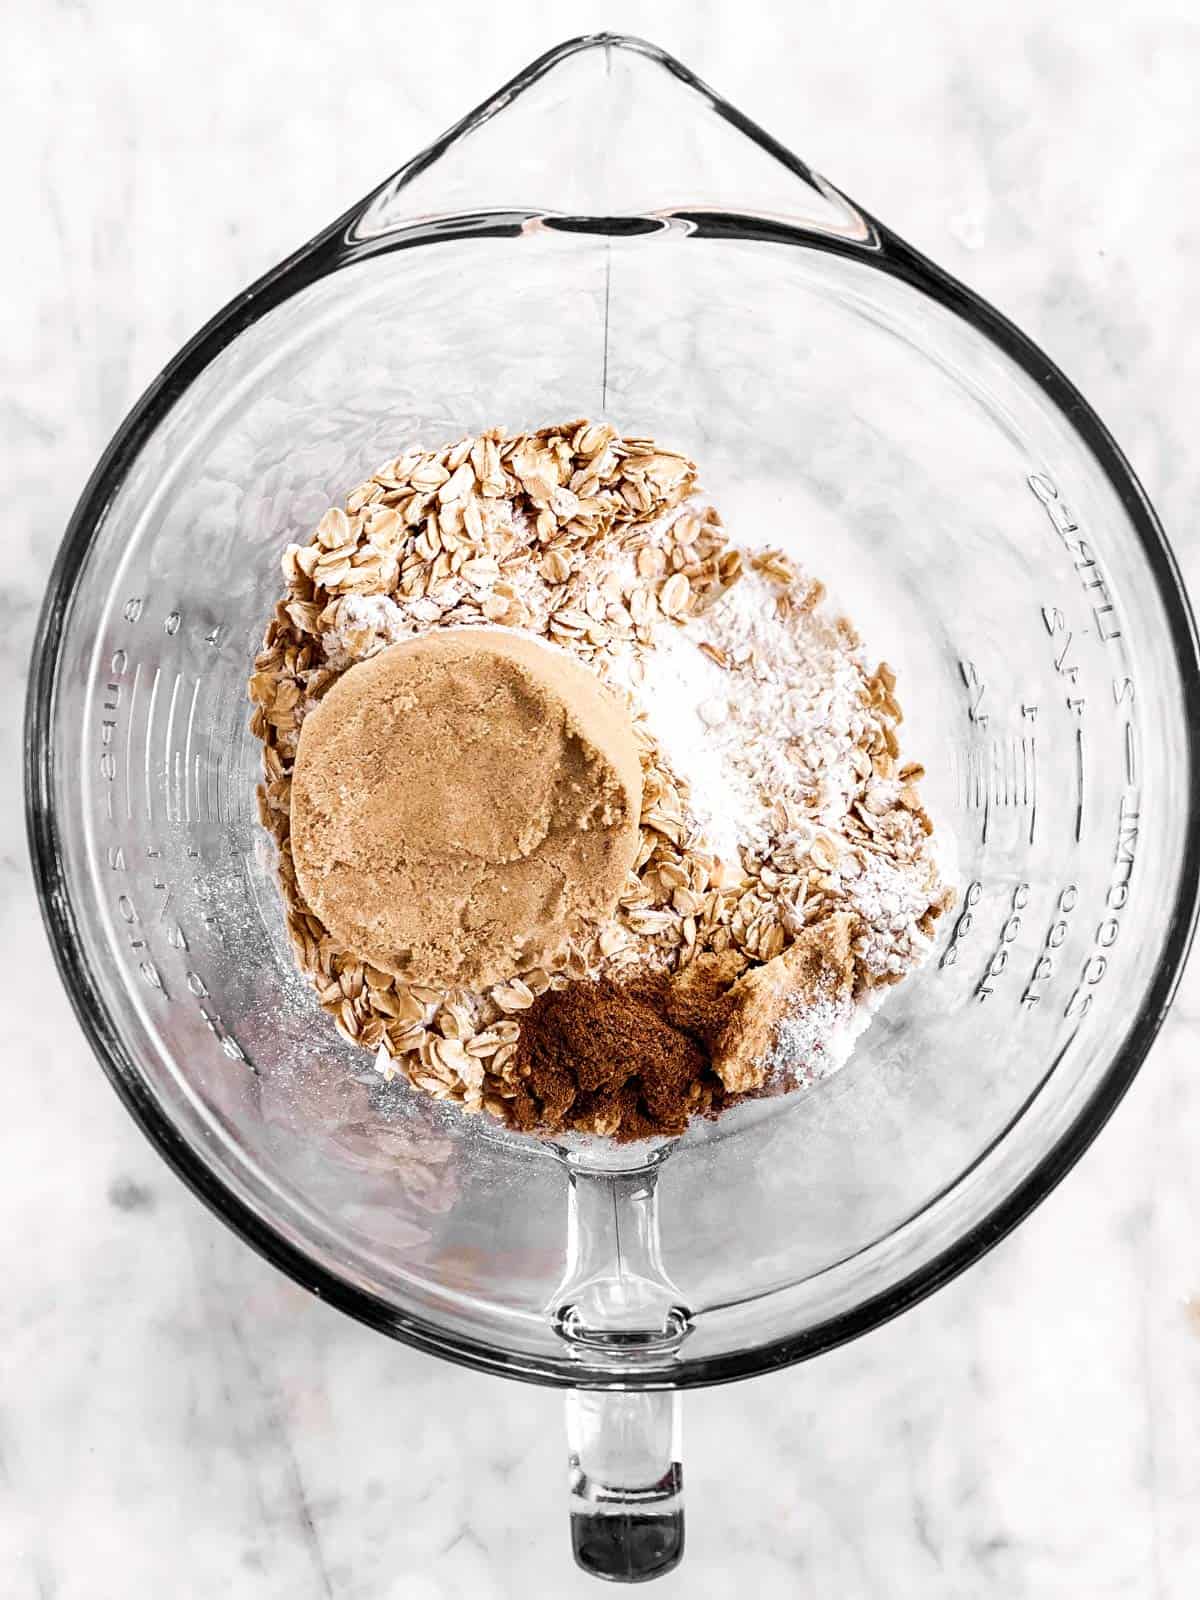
(814, 1041)
(889, 898)
(781, 722)
(366, 623)
(678, 682)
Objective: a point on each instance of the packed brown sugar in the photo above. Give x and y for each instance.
(462, 803)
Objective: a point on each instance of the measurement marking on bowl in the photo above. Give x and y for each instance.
(133, 693)
(241, 793)
(1009, 932)
(963, 924)
(139, 946)
(987, 794)
(1116, 897)
(139, 935)
(108, 730)
(976, 690)
(168, 741)
(1029, 756)
(177, 764)
(999, 774)
(185, 775)
(1056, 934)
(1084, 557)
(146, 746)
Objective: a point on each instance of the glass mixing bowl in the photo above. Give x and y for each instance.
(606, 237)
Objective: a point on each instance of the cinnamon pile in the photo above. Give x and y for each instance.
(616, 1059)
(639, 1059)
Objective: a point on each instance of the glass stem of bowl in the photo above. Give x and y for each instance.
(617, 1307)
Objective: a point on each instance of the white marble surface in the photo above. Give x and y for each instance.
(175, 1418)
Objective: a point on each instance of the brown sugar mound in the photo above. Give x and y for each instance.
(818, 966)
(463, 802)
(698, 999)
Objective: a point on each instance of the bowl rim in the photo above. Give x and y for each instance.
(325, 253)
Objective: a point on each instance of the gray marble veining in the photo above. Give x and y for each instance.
(178, 1419)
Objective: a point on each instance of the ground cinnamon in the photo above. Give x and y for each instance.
(628, 1060)
(639, 1059)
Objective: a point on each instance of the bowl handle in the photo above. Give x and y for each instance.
(626, 1482)
(618, 1309)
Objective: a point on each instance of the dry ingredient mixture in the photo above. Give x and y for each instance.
(783, 873)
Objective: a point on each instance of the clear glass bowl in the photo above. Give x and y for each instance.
(607, 237)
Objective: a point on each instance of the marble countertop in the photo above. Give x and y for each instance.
(175, 1417)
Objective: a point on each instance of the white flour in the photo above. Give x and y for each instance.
(889, 898)
(780, 722)
(366, 623)
(783, 720)
(685, 697)
(814, 1041)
